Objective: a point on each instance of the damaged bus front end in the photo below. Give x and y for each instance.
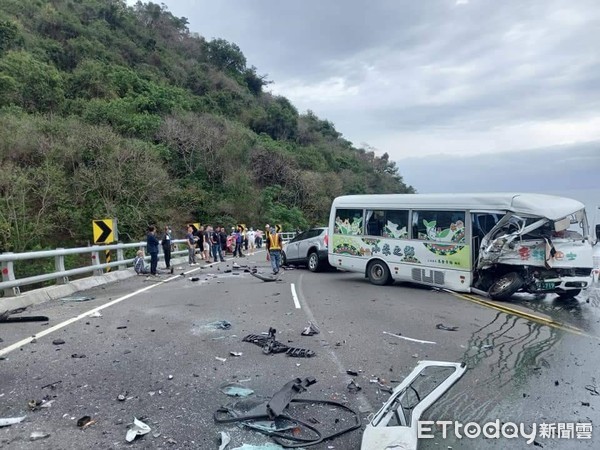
(537, 248)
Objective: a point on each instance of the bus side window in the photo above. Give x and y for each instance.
(439, 226)
(349, 221)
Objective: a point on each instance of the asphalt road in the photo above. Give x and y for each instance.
(157, 348)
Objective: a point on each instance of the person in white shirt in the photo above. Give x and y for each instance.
(251, 236)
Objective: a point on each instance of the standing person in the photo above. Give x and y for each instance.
(207, 243)
(152, 247)
(191, 242)
(274, 249)
(259, 238)
(251, 240)
(216, 244)
(238, 242)
(200, 241)
(166, 246)
(223, 236)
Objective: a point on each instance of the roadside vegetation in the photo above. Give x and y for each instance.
(115, 111)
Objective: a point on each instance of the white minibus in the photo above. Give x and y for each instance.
(497, 243)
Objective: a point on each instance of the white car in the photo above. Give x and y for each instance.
(308, 249)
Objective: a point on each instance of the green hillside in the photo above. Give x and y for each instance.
(115, 111)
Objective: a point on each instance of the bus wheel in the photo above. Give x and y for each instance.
(505, 286)
(378, 272)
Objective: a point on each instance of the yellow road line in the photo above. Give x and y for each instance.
(531, 317)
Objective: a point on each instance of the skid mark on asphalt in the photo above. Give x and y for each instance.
(68, 322)
(506, 354)
(364, 404)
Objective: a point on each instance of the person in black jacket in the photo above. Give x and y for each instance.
(152, 247)
(166, 245)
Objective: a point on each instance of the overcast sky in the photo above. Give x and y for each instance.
(424, 78)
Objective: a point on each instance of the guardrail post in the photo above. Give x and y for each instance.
(59, 266)
(8, 274)
(95, 262)
(120, 257)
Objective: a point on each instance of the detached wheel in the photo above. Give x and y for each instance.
(313, 262)
(570, 294)
(505, 286)
(378, 273)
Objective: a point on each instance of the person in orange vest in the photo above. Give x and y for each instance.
(274, 245)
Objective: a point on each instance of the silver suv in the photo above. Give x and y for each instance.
(308, 249)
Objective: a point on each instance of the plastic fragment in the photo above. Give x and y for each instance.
(76, 299)
(95, 314)
(224, 440)
(310, 330)
(259, 447)
(11, 421)
(353, 386)
(441, 326)
(37, 435)
(139, 428)
(218, 358)
(268, 426)
(236, 353)
(236, 390)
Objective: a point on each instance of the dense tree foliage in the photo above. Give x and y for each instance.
(108, 110)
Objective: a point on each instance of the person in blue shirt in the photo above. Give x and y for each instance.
(152, 247)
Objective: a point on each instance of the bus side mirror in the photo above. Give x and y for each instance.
(598, 231)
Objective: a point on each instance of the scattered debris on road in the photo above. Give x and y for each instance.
(224, 440)
(353, 387)
(271, 346)
(219, 325)
(138, 428)
(592, 389)
(259, 447)
(11, 421)
(85, 422)
(352, 372)
(310, 330)
(262, 277)
(95, 314)
(441, 326)
(236, 390)
(395, 424)
(51, 385)
(218, 358)
(75, 298)
(236, 353)
(279, 408)
(409, 339)
(37, 435)
(78, 356)
(5, 317)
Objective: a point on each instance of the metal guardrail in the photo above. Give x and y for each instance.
(11, 286)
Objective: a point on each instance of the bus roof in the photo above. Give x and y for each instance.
(541, 205)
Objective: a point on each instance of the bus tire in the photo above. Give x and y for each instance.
(378, 273)
(505, 286)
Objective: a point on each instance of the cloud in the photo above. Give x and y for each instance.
(413, 78)
(554, 169)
